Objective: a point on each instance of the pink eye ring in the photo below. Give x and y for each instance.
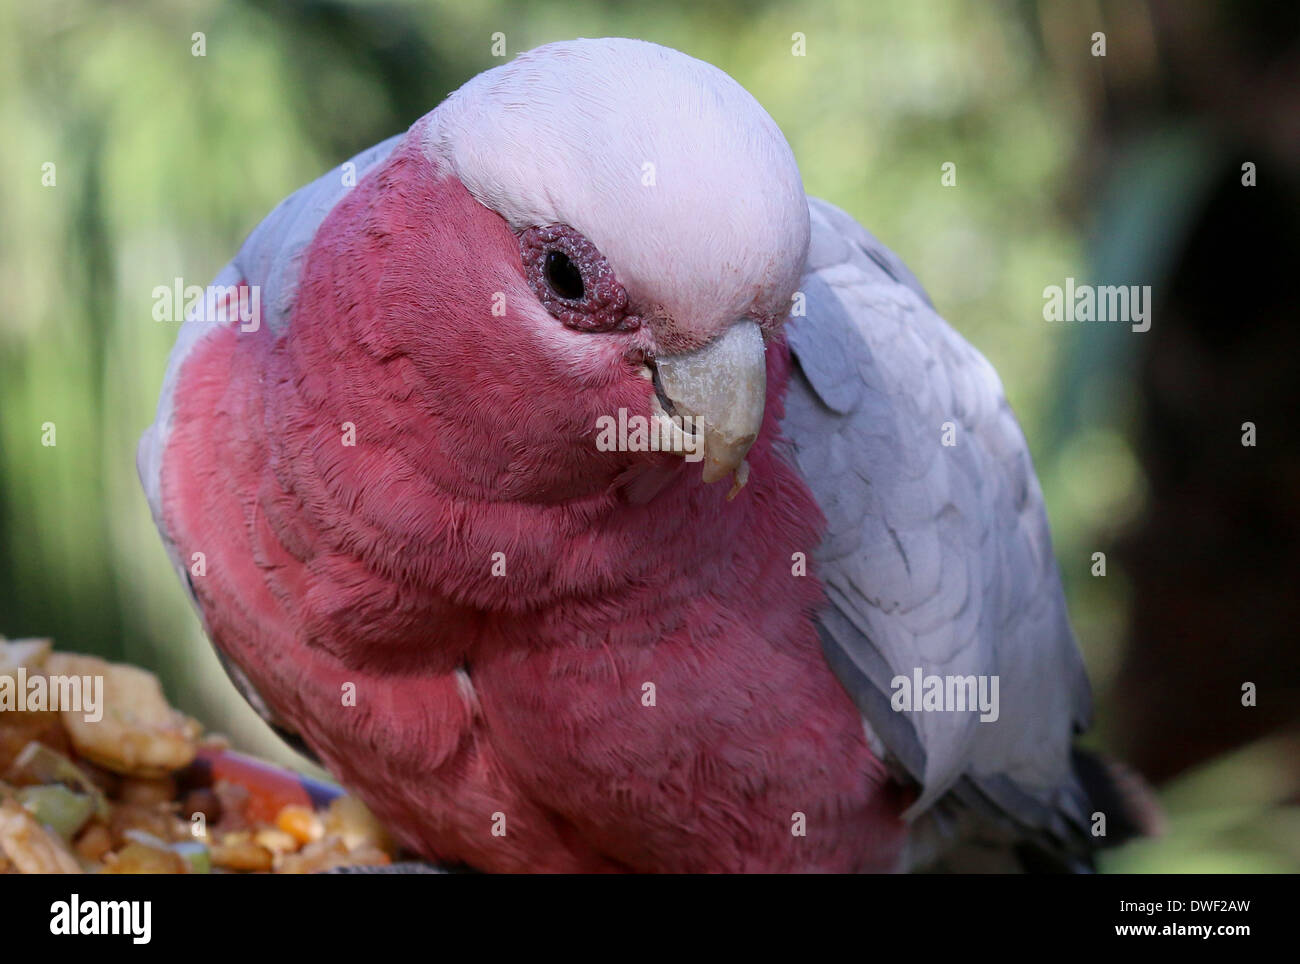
(573, 281)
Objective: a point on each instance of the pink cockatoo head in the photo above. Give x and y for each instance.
(541, 279)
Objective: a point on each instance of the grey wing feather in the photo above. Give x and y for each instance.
(936, 557)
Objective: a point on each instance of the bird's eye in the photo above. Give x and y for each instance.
(573, 281)
(563, 276)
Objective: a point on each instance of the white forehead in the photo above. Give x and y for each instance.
(664, 162)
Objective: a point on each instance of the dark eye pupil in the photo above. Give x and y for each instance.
(563, 275)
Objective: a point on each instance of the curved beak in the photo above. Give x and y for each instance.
(722, 389)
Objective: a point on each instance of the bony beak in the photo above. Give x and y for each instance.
(722, 387)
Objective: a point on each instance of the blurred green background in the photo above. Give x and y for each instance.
(1068, 164)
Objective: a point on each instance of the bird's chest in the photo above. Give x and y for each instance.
(724, 744)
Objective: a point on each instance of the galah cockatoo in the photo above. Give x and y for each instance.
(435, 461)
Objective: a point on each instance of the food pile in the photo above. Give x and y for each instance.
(140, 790)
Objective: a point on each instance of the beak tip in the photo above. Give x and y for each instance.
(715, 473)
(722, 458)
